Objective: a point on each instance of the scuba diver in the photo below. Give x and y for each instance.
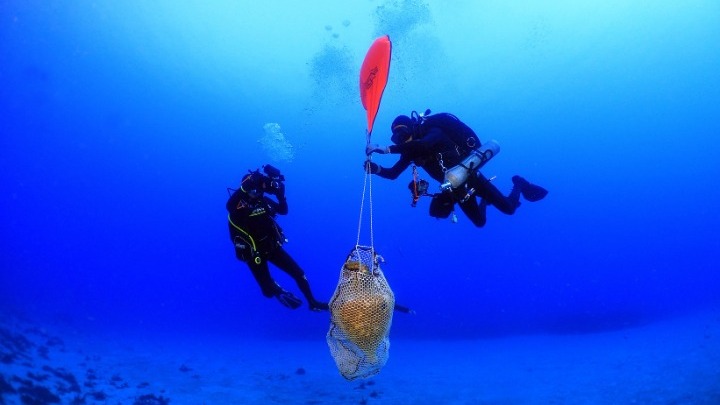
(258, 239)
(451, 153)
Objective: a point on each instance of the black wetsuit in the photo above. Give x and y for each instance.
(255, 217)
(435, 151)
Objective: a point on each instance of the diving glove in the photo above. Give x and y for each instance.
(371, 167)
(288, 299)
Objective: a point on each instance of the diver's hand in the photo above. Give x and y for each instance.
(370, 149)
(371, 167)
(280, 190)
(276, 188)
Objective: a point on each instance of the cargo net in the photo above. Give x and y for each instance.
(361, 311)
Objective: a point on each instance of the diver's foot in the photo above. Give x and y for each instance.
(317, 306)
(288, 299)
(529, 191)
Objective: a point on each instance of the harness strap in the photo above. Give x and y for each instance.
(250, 238)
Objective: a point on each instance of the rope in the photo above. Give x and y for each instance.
(372, 235)
(362, 206)
(367, 187)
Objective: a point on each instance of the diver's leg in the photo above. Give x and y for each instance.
(286, 263)
(260, 271)
(270, 287)
(441, 205)
(491, 195)
(474, 211)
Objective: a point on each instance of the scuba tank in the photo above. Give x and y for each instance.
(456, 176)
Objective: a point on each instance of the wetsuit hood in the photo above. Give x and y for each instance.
(252, 184)
(402, 128)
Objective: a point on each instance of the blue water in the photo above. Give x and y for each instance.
(123, 123)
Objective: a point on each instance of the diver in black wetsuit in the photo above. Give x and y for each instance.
(440, 142)
(258, 239)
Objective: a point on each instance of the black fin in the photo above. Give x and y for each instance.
(529, 191)
(318, 306)
(289, 300)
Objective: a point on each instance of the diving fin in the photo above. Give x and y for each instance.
(288, 299)
(318, 306)
(529, 191)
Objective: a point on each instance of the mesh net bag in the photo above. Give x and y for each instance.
(361, 311)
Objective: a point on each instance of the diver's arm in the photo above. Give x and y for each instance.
(420, 146)
(281, 206)
(393, 172)
(409, 150)
(277, 207)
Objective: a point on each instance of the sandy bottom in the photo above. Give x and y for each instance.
(670, 362)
